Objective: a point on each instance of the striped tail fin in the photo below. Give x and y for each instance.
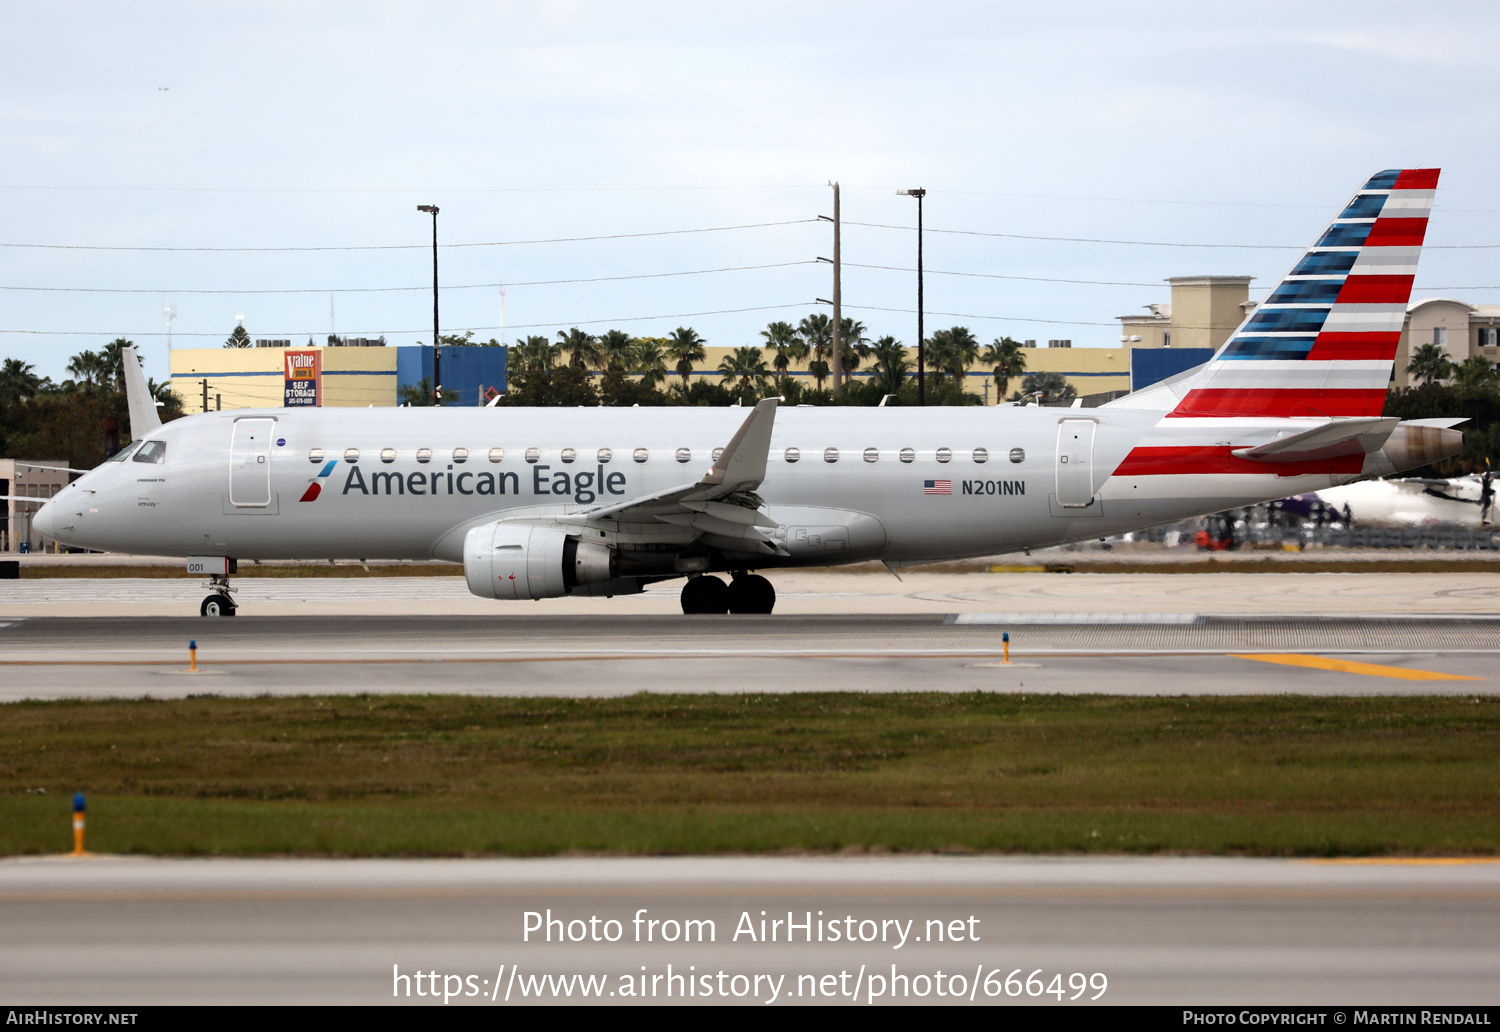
(1324, 341)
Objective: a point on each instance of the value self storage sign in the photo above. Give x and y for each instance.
(304, 379)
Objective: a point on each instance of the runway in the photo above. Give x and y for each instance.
(598, 655)
(1163, 931)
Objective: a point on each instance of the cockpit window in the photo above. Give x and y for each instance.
(125, 452)
(152, 451)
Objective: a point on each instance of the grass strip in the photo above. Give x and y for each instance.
(813, 772)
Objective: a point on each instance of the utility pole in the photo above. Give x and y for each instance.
(205, 395)
(919, 193)
(838, 299)
(437, 349)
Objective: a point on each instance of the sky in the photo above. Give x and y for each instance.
(322, 125)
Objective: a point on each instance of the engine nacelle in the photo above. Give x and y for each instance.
(516, 561)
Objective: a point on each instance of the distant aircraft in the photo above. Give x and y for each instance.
(1417, 501)
(539, 503)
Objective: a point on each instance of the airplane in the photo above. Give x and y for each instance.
(550, 502)
(1417, 501)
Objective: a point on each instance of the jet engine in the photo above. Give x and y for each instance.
(517, 561)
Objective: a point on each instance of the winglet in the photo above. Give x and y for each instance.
(742, 464)
(143, 415)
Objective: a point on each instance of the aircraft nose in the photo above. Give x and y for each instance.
(45, 520)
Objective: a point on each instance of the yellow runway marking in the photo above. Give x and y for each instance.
(1408, 861)
(1350, 667)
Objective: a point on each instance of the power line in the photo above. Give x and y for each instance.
(386, 290)
(996, 318)
(1138, 243)
(993, 275)
(289, 334)
(409, 247)
(398, 190)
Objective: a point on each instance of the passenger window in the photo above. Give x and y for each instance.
(424, 454)
(532, 454)
(497, 454)
(945, 454)
(793, 454)
(981, 455)
(388, 455)
(605, 454)
(315, 455)
(830, 455)
(640, 455)
(684, 454)
(153, 452)
(351, 454)
(460, 455)
(872, 454)
(908, 454)
(1018, 455)
(569, 454)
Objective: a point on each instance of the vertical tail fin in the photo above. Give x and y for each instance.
(1323, 342)
(143, 414)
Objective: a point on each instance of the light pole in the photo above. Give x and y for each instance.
(918, 193)
(437, 350)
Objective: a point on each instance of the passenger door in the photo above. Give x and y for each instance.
(250, 463)
(1075, 463)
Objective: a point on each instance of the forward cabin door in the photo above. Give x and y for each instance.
(250, 463)
(1075, 463)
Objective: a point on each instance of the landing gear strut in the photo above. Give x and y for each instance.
(747, 593)
(221, 602)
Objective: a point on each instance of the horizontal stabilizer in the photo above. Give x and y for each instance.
(1357, 436)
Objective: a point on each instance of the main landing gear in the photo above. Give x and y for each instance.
(221, 602)
(746, 593)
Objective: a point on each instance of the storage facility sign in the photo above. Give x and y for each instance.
(304, 379)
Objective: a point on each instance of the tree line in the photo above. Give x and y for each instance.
(76, 419)
(661, 370)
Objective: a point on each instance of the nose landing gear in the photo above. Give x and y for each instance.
(221, 602)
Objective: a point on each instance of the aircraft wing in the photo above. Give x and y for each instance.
(1353, 436)
(721, 507)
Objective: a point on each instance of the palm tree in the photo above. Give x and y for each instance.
(1007, 358)
(1475, 372)
(113, 355)
(582, 348)
(649, 360)
(789, 347)
(88, 366)
(685, 347)
(890, 363)
(18, 381)
(618, 349)
(239, 338)
(1429, 363)
(747, 367)
(853, 343)
(1051, 387)
(953, 351)
(535, 354)
(816, 332)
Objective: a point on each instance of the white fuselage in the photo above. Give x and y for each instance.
(863, 469)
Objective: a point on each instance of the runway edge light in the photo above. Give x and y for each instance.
(78, 810)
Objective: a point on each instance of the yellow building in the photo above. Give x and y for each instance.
(234, 378)
(1203, 312)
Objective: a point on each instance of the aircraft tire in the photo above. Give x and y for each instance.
(217, 605)
(705, 594)
(751, 594)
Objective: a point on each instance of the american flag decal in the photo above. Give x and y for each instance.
(937, 487)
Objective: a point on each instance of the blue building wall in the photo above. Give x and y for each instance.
(467, 372)
(1153, 365)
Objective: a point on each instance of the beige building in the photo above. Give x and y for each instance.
(1203, 312)
(1459, 328)
(27, 478)
(236, 378)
